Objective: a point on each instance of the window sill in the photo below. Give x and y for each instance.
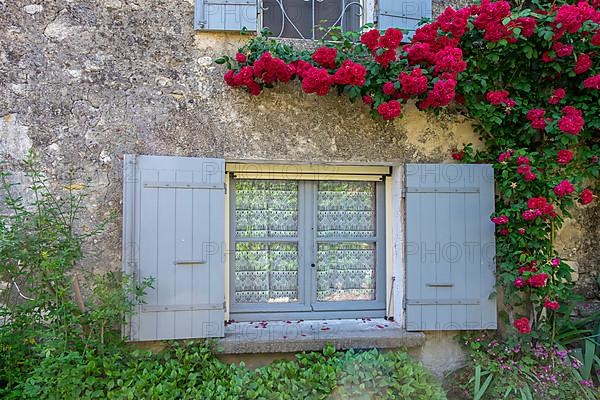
(297, 336)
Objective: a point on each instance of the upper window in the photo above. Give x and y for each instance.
(309, 19)
(307, 247)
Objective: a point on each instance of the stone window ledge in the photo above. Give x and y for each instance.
(297, 336)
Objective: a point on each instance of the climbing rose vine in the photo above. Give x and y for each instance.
(528, 77)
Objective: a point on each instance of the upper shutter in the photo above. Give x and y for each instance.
(173, 227)
(225, 15)
(402, 14)
(450, 247)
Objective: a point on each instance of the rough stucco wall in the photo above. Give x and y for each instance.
(83, 82)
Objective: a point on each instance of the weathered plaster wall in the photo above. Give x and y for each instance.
(83, 82)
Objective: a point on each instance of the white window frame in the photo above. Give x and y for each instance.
(393, 281)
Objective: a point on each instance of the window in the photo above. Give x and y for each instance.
(311, 19)
(309, 248)
(308, 243)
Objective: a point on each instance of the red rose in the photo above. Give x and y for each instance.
(546, 57)
(388, 88)
(413, 84)
(350, 73)
(564, 156)
(272, 69)
(389, 110)
(551, 305)
(536, 117)
(564, 188)
(572, 121)
(519, 282)
(367, 99)
(386, 57)
(583, 64)
(370, 39)
(504, 232)
(449, 59)
(562, 50)
(501, 220)
(317, 80)
(240, 58)
(557, 96)
(529, 176)
(325, 57)
(586, 196)
(527, 25)
(521, 231)
(593, 82)
(441, 95)
(595, 39)
(522, 325)
(454, 22)
(496, 97)
(458, 155)
(538, 281)
(419, 53)
(391, 39)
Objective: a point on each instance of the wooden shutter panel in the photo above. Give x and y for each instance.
(450, 247)
(173, 226)
(226, 15)
(402, 14)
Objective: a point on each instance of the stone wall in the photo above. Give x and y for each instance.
(83, 82)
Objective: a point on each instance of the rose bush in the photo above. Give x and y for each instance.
(529, 77)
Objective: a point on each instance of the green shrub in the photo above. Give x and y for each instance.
(191, 371)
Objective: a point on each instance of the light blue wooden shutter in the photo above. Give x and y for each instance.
(450, 247)
(226, 15)
(173, 226)
(402, 14)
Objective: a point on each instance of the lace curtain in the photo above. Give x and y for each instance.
(346, 268)
(266, 272)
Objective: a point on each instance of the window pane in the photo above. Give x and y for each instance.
(266, 209)
(345, 271)
(346, 209)
(266, 272)
(295, 18)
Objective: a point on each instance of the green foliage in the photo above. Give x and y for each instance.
(50, 306)
(191, 371)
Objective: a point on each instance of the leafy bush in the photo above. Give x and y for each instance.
(49, 305)
(191, 371)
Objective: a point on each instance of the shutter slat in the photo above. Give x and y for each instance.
(450, 247)
(184, 247)
(147, 240)
(165, 277)
(172, 224)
